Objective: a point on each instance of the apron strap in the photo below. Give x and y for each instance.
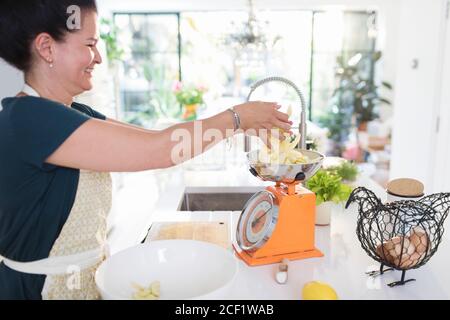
(58, 265)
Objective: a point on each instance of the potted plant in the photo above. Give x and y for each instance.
(115, 54)
(190, 97)
(329, 190)
(161, 101)
(346, 170)
(355, 100)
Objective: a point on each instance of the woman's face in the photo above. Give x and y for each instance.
(76, 57)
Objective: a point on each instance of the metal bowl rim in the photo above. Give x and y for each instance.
(319, 159)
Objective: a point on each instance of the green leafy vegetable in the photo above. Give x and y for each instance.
(328, 187)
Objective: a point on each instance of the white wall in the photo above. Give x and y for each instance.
(417, 90)
(441, 171)
(11, 80)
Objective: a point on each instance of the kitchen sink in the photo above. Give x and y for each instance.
(216, 198)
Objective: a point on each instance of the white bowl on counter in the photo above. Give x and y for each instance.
(185, 269)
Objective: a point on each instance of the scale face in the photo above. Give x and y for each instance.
(257, 221)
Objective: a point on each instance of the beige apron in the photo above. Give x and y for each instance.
(81, 245)
(85, 230)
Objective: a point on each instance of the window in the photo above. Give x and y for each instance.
(335, 37)
(191, 46)
(151, 65)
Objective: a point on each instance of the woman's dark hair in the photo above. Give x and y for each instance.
(22, 20)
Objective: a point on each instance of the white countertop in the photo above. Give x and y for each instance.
(343, 266)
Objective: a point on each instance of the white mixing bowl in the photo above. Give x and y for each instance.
(186, 269)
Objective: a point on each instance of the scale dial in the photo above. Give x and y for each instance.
(257, 221)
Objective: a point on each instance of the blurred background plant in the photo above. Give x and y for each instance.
(347, 170)
(188, 94)
(190, 97)
(108, 33)
(356, 99)
(115, 54)
(161, 103)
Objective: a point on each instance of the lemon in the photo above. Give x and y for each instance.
(317, 290)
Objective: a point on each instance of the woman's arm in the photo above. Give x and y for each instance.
(110, 147)
(129, 125)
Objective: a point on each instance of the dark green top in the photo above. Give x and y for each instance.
(35, 197)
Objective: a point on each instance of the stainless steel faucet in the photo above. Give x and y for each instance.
(302, 125)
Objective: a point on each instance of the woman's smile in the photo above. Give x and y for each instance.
(89, 71)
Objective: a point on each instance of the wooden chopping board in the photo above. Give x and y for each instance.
(214, 232)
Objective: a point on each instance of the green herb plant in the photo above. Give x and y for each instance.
(328, 187)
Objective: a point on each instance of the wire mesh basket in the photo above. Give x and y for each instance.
(401, 235)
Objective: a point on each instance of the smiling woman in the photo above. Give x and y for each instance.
(55, 187)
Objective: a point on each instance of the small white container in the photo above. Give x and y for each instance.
(323, 213)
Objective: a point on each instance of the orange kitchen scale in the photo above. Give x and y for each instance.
(279, 222)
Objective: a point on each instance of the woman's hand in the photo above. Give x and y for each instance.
(259, 118)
